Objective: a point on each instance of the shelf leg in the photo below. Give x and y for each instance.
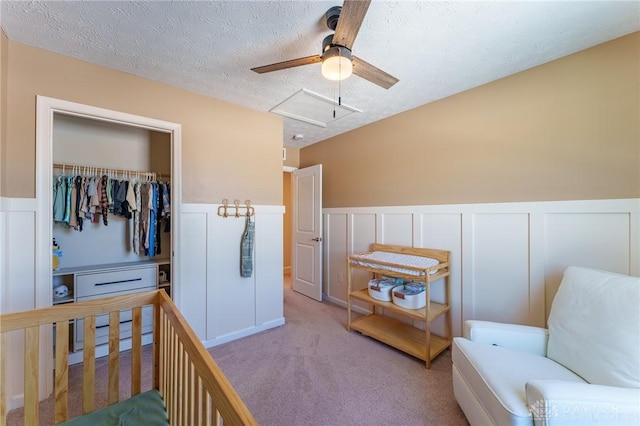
(348, 297)
(427, 323)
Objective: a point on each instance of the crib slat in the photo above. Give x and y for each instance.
(174, 376)
(31, 349)
(156, 347)
(89, 364)
(61, 385)
(136, 351)
(181, 389)
(162, 354)
(189, 393)
(170, 365)
(169, 372)
(197, 407)
(205, 407)
(215, 413)
(114, 357)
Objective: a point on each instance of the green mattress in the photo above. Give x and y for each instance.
(143, 409)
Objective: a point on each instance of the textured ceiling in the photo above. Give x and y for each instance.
(436, 49)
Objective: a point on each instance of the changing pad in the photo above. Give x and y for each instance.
(370, 259)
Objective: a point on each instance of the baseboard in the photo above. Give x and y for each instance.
(15, 401)
(342, 304)
(226, 338)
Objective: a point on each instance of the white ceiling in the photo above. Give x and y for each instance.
(436, 49)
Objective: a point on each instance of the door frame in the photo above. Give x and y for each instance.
(46, 108)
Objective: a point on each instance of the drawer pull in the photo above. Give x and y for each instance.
(107, 325)
(120, 282)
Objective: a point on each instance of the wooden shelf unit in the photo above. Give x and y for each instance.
(401, 335)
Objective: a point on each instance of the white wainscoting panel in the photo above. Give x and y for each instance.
(499, 285)
(443, 231)
(333, 273)
(364, 227)
(268, 261)
(397, 228)
(595, 240)
(193, 272)
(18, 286)
(363, 230)
(233, 304)
(507, 259)
(218, 303)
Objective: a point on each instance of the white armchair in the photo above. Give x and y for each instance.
(584, 369)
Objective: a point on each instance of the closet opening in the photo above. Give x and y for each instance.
(88, 142)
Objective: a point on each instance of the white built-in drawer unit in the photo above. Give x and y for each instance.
(105, 283)
(109, 280)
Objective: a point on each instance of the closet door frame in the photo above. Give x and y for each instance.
(46, 108)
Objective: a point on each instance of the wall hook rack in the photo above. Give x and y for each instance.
(236, 210)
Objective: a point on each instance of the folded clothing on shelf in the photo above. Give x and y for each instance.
(380, 288)
(411, 295)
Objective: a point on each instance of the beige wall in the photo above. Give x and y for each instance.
(293, 157)
(222, 157)
(566, 130)
(4, 49)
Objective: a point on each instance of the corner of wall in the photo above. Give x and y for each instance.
(4, 61)
(292, 157)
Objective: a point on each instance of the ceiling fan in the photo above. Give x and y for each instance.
(337, 61)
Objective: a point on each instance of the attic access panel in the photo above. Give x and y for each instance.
(312, 108)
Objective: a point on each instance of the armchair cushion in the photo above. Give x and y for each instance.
(501, 373)
(594, 327)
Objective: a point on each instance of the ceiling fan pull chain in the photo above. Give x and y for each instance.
(339, 79)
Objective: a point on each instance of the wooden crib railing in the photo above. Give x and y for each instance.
(194, 389)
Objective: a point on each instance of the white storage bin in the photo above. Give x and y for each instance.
(411, 295)
(380, 288)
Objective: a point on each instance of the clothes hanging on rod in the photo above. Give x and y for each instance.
(86, 194)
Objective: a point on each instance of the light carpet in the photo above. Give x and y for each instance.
(312, 371)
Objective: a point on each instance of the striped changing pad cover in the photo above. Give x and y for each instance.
(370, 259)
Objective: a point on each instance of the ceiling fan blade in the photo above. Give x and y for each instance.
(288, 64)
(375, 75)
(351, 18)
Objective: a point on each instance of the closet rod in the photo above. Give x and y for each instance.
(111, 170)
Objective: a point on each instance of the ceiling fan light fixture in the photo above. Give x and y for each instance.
(336, 63)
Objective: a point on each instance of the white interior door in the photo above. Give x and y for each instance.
(306, 256)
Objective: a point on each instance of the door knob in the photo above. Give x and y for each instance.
(316, 239)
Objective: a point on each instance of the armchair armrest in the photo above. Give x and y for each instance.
(556, 402)
(514, 336)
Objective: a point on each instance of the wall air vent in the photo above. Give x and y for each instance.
(310, 107)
